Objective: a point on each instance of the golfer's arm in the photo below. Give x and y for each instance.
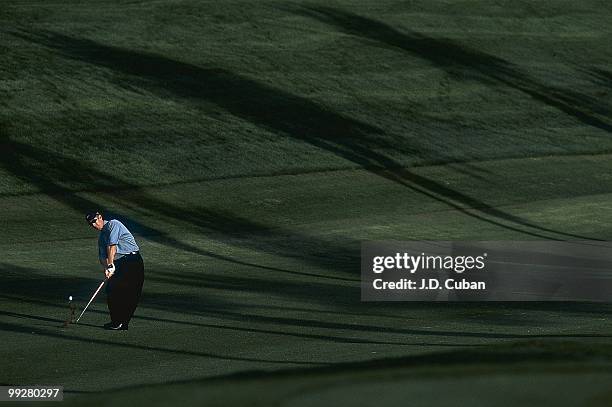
(110, 254)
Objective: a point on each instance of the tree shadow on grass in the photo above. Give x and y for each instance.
(250, 330)
(501, 357)
(55, 334)
(57, 175)
(316, 293)
(164, 304)
(465, 63)
(167, 304)
(300, 118)
(603, 79)
(26, 285)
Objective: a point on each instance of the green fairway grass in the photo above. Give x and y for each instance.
(251, 147)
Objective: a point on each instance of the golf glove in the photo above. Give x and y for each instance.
(110, 270)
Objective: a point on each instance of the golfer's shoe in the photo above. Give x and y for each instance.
(116, 326)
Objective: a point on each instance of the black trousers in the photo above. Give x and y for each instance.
(124, 288)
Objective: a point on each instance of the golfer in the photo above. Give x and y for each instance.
(123, 267)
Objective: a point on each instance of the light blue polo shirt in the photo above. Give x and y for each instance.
(115, 233)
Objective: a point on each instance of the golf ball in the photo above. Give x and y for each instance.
(70, 298)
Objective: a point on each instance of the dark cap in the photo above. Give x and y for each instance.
(91, 216)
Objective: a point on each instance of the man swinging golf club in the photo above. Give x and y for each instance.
(123, 268)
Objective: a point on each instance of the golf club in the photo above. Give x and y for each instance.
(91, 300)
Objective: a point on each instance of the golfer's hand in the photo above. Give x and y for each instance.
(110, 270)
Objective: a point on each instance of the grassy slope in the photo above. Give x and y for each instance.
(164, 111)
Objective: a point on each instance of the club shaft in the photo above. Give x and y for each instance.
(91, 300)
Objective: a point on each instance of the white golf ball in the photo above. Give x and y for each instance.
(70, 298)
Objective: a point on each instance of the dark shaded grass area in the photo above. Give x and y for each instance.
(185, 301)
(279, 111)
(53, 333)
(561, 356)
(467, 64)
